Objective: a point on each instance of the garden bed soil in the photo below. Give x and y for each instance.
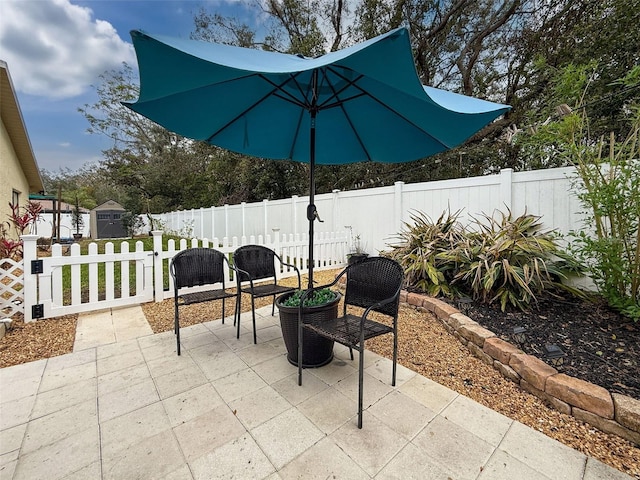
(601, 346)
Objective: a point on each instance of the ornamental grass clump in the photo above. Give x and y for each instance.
(317, 298)
(423, 249)
(509, 261)
(512, 261)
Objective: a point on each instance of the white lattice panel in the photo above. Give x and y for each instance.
(11, 287)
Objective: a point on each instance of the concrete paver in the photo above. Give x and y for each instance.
(124, 405)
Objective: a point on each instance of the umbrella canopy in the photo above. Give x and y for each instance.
(362, 103)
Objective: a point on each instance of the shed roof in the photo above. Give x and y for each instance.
(109, 205)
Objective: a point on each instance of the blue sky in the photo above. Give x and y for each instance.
(56, 50)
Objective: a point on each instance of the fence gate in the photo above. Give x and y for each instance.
(77, 283)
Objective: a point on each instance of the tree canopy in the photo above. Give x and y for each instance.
(537, 55)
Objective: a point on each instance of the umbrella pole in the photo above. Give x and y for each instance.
(312, 213)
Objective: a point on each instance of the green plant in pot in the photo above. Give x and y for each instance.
(323, 303)
(358, 253)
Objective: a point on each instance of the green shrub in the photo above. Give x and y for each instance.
(512, 261)
(319, 297)
(509, 261)
(423, 249)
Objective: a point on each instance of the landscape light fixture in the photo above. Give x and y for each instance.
(520, 335)
(464, 304)
(554, 354)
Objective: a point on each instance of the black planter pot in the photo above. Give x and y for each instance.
(356, 257)
(318, 351)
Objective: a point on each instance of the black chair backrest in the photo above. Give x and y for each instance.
(372, 280)
(256, 260)
(197, 266)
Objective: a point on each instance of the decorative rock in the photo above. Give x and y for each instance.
(506, 371)
(430, 303)
(581, 394)
(443, 309)
(456, 320)
(532, 369)
(554, 402)
(477, 351)
(627, 411)
(475, 333)
(605, 425)
(414, 299)
(403, 296)
(460, 338)
(499, 349)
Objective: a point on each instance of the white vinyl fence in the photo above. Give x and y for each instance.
(378, 214)
(70, 282)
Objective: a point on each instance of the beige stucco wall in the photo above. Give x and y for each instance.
(11, 176)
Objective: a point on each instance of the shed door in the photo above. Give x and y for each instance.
(109, 224)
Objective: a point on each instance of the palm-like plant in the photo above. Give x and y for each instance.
(423, 249)
(511, 261)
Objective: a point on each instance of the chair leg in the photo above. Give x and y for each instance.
(395, 358)
(253, 316)
(176, 330)
(239, 311)
(351, 353)
(273, 306)
(300, 340)
(224, 300)
(360, 385)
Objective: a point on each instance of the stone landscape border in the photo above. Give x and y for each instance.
(609, 412)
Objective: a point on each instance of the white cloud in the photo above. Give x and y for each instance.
(55, 49)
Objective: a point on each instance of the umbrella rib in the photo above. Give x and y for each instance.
(346, 115)
(276, 88)
(364, 92)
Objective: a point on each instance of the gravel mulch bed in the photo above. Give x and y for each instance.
(424, 346)
(27, 342)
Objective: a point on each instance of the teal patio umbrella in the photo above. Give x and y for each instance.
(362, 103)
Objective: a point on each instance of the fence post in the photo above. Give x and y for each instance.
(213, 222)
(294, 201)
(30, 281)
(506, 187)
(201, 233)
(158, 270)
(397, 206)
(226, 220)
(265, 207)
(336, 214)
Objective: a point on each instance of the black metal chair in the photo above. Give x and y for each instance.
(198, 267)
(255, 263)
(373, 284)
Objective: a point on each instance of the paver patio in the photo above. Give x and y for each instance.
(124, 406)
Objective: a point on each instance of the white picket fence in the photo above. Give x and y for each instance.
(69, 282)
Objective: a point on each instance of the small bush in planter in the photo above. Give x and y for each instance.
(319, 297)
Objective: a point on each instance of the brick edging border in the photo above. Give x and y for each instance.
(609, 412)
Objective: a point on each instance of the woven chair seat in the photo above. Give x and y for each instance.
(267, 290)
(206, 296)
(346, 329)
